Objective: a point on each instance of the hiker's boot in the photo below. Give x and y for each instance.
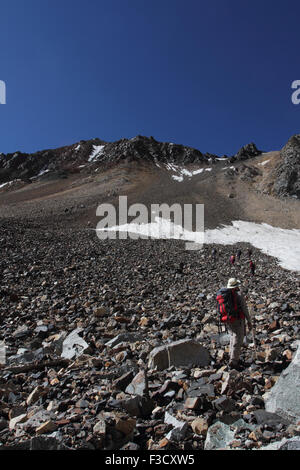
(233, 365)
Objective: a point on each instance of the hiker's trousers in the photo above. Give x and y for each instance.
(237, 333)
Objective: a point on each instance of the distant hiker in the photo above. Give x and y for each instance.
(233, 310)
(249, 252)
(252, 267)
(238, 254)
(232, 260)
(179, 270)
(214, 254)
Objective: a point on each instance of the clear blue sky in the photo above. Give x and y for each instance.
(214, 75)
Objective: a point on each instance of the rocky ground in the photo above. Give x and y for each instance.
(82, 319)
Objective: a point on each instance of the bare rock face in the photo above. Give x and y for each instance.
(182, 353)
(246, 152)
(149, 149)
(284, 398)
(287, 181)
(248, 173)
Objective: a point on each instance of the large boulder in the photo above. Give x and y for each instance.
(284, 398)
(182, 353)
(285, 444)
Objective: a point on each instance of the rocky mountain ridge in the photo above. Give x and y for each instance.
(60, 162)
(17, 169)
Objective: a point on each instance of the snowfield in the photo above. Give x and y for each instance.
(282, 244)
(160, 229)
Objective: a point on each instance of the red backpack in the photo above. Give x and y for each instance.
(228, 305)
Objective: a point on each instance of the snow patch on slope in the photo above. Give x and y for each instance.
(43, 172)
(97, 151)
(9, 183)
(264, 163)
(179, 172)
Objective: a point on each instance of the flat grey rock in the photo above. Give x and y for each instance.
(182, 353)
(73, 346)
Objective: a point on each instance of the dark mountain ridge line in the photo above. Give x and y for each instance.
(86, 156)
(25, 166)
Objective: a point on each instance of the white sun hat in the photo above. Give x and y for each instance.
(232, 283)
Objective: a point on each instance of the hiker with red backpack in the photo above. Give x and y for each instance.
(252, 267)
(233, 311)
(232, 260)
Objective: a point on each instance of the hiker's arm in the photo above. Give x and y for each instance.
(246, 311)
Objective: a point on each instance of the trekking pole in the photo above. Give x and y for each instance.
(254, 343)
(252, 331)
